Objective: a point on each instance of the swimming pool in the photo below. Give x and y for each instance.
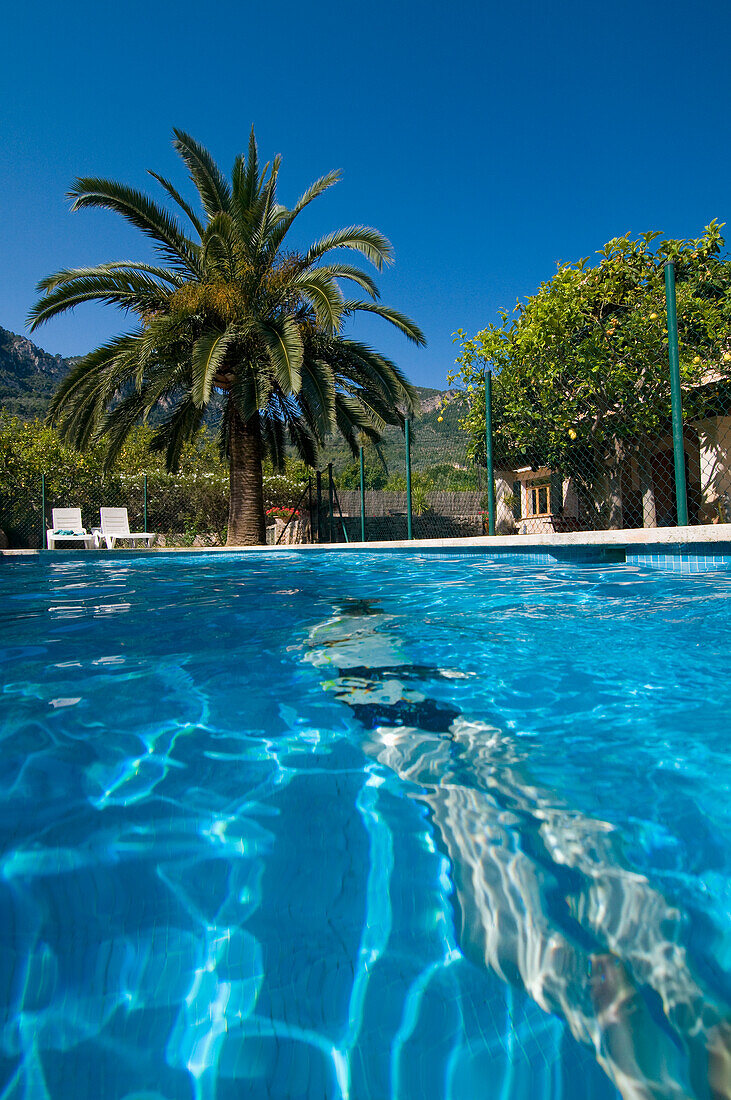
(363, 826)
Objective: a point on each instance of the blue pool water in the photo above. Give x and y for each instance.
(363, 826)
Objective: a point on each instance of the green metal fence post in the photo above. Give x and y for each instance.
(681, 494)
(409, 526)
(144, 528)
(318, 483)
(309, 507)
(488, 454)
(43, 511)
(330, 500)
(362, 497)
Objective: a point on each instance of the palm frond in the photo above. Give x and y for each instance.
(178, 198)
(130, 290)
(80, 401)
(273, 440)
(50, 282)
(400, 389)
(117, 424)
(283, 342)
(323, 294)
(246, 179)
(219, 247)
(318, 393)
(303, 440)
(353, 423)
(360, 238)
(353, 274)
(209, 352)
(142, 212)
(210, 182)
(398, 320)
(289, 415)
(176, 430)
(244, 394)
(264, 213)
(287, 217)
(251, 391)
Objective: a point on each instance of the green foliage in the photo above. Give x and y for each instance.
(452, 478)
(201, 454)
(29, 449)
(419, 500)
(375, 477)
(420, 479)
(581, 366)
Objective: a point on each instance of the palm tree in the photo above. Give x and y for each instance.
(229, 315)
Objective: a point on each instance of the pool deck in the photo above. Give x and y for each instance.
(708, 536)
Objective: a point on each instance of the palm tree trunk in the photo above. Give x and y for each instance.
(647, 489)
(246, 522)
(615, 519)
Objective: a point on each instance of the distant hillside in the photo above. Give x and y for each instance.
(29, 376)
(432, 443)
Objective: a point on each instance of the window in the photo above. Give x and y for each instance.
(539, 499)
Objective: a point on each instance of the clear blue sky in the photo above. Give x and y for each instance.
(486, 140)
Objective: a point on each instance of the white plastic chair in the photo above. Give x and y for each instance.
(67, 527)
(115, 525)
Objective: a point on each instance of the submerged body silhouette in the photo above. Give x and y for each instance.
(545, 898)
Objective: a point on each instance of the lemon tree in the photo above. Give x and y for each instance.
(581, 367)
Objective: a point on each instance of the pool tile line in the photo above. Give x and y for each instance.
(683, 557)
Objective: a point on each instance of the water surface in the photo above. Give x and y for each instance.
(322, 825)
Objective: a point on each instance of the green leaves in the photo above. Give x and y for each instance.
(286, 218)
(213, 189)
(320, 289)
(143, 213)
(318, 392)
(360, 238)
(125, 286)
(209, 352)
(284, 348)
(178, 198)
(398, 320)
(583, 361)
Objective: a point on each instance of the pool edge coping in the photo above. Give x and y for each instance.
(708, 534)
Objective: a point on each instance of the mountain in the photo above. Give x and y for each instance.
(432, 443)
(28, 375)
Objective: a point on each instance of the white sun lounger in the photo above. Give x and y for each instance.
(115, 525)
(67, 527)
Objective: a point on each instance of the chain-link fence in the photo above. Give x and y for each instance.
(561, 464)
(422, 485)
(565, 467)
(179, 511)
(580, 467)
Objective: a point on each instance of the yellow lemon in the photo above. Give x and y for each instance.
(697, 359)
(727, 356)
(572, 433)
(440, 419)
(653, 317)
